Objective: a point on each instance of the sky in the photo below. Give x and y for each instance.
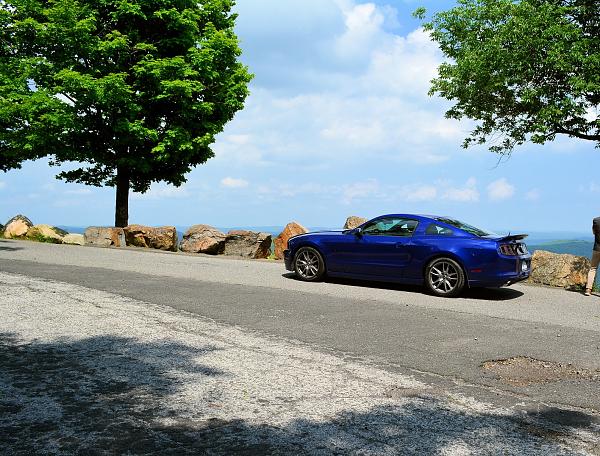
(339, 123)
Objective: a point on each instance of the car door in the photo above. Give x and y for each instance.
(382, 248)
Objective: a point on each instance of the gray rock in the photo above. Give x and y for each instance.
(353, 221)
(74, 239)
(559, 270)
(104, 236)
(291, 229)
(46, 233)
(248, 244)
(17, 226)
(161, 238)
(203, 239)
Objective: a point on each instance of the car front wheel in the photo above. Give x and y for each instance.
(309, 265)
(444, 277)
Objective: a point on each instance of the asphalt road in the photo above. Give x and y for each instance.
(88, 372)
(440, 341)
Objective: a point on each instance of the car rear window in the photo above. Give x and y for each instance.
(438, 230)
(464, 226)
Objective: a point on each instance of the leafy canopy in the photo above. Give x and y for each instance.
(136, 87)
(523, 69)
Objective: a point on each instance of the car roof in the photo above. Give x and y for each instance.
(416, 216)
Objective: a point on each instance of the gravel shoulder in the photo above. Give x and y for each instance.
(90, 372)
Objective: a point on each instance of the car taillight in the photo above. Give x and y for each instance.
(513, 249)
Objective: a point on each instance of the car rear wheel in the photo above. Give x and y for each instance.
(444, 277)
(309, 264)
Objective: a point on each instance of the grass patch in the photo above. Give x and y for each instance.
(37, 237)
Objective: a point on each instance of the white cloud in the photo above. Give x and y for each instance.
(500, 190)
(353, 88)
(230, 182)
(593, 187)
(359, 190)
(424, 193)
(468, 193)
(162, 191)
(363, 29)
(533, 195)
(78, 191)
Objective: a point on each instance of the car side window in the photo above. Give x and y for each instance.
(391, 226)
(438, 230)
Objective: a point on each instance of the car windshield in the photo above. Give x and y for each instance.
(465, 227)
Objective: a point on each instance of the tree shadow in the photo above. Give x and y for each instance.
(482, 294)
(88, 396)
(8, 246)
(107, 395)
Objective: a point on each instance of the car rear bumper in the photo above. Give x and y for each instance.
(506, 272)
(287, 258)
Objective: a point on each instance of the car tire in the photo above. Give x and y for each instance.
(444, 277)
(309, 265)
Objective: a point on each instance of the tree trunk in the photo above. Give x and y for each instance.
(122, 200)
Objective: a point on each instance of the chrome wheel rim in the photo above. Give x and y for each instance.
(443, 277)
(307, 264)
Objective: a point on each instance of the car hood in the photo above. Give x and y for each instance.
(321, 233)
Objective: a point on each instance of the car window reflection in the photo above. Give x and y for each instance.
(391, 227)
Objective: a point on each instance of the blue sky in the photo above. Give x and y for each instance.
(339, 123)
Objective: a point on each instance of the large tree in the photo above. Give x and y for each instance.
(134, 91)
(524, 70)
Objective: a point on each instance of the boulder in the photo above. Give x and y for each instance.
(161, 238)
(203, 239)
(17, 226)
(247, 244)
(74, 239)
(104, 236)
(353, 221)
(46, 233)
(559, 270)
(290, 230)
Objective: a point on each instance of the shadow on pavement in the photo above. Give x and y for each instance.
(8, 246)
(483, 294)
(106, 395)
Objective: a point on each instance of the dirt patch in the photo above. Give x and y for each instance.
(524, 371)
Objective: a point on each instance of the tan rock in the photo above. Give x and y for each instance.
(74, 239)
(203, 239)
(290, 230)
(161, 238)
(17, 226)
(46, 233)
(248, 244)
(559, 270)
(104, 236)
(353, 221)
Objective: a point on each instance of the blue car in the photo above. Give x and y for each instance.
(442, 253)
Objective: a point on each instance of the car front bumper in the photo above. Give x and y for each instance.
(287, 258)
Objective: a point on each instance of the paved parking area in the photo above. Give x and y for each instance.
(84, 371)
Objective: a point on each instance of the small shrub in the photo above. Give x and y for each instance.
(37, 237)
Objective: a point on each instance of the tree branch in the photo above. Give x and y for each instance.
(576, 134)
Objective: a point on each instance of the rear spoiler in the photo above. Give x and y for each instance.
(513, 237)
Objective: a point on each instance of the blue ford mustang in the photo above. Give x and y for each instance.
(444, 254)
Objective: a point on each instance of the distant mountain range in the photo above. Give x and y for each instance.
(574, 247)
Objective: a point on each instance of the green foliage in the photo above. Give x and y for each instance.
(134, 87)
(525, 70)
(39, 237)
